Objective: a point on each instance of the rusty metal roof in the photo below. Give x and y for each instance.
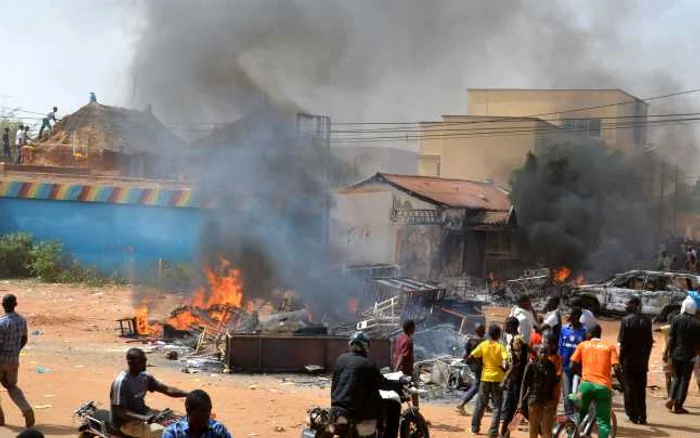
(448, 192)
(492, 218)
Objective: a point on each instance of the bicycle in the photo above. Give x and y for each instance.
(564, 427)
(589, 425)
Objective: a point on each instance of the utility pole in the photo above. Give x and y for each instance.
(675, 201)
(661, 197)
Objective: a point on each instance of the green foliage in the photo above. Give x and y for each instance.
(45, 261)
(22, 257)
(15, 255)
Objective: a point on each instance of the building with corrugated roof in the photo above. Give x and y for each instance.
(429, 227)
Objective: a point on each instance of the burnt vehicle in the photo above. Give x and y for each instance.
(661, 293)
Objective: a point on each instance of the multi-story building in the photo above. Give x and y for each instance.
(502, 125)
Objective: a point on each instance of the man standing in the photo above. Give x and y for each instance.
(526, 317)
(45, 122)
(553, 320)
(571, 336)
(593, 360)
(494, 357)
(683, 340)
(403, 349)
(476, 365)
(6, 145)
(129, 413)
(19, 142)
(517, 352)
(13, 338)
(540, 383)
(636, 340)
(198, 421)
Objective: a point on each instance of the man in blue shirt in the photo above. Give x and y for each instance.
(198, 422)
(571, 335)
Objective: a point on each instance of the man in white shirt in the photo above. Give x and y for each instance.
(19, 142)
(526, 317)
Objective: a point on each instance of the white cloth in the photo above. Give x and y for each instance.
(588, 319)
(688, 306)
(552, 319)
(19, 138)
(526, 320)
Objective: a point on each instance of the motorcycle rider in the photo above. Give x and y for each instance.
(355, 388)
(129, 413)
(198, 422)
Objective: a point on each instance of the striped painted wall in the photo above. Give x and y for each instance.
(109, 194)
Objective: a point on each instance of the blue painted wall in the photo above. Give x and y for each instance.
(115, 238)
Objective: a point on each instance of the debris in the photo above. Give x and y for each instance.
(37, 332)
(171, 355)
(314, 369)
(42, 370)
(43, 407)
(189, 371)
(280, 429)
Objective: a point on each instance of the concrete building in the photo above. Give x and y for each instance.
(429, 227)
(502, 125)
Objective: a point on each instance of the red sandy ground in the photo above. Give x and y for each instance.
(80, 347)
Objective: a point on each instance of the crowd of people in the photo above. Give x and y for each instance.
(22, 137)
(541, 362)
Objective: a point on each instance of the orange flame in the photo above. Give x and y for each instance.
(561, 274)
(352, 305)
(141, 321)
(223, 293)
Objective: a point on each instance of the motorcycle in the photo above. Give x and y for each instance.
(95, 423)
(326, 423)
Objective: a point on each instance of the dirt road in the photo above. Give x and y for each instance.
(79, 345)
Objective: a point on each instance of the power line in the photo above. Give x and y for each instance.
(663, 96)
(513, 131)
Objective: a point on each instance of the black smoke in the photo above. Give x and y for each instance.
(584, 206)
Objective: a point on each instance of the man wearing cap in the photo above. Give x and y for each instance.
(13, 337)
(682, 343)
(636, 341)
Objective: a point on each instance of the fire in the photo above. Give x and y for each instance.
(141, 321)
(561, 275)
(223, 293)
(352, 305)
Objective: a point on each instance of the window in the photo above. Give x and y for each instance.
(589, 127)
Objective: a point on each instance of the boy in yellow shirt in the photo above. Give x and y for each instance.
(495, 361)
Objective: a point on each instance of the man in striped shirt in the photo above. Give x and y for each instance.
(130, 415)
(13, 337)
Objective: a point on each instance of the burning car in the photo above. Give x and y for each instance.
(661, 292)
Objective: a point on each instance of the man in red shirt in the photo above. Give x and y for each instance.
(403, 349)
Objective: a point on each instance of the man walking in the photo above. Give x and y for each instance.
(476, 365)
(13, 338)
(636, 340)
(517, 352)
(594, 360)
(683, 340)
(571, 336)
(403, 351)
(494, 357)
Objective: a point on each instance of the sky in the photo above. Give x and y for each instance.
(57, 51)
